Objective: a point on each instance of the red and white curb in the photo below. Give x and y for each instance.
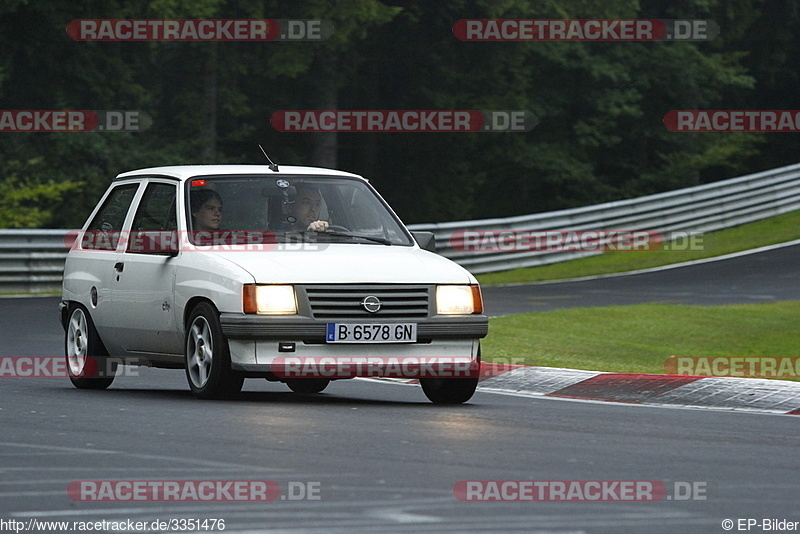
(721, 393)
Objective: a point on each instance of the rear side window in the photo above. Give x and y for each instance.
(104, 231)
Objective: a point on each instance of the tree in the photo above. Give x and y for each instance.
(600, 104)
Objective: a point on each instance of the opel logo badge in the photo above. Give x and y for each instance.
(371, 303)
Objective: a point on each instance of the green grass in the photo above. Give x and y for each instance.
(639, 338)
(777, 229)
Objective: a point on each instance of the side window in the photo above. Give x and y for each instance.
(104, 231)
(157, 209)
(155, 214)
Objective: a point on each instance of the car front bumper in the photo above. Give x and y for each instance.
(281, 348)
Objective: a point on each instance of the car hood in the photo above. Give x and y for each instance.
(348, 263)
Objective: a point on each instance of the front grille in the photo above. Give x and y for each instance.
(344, 302)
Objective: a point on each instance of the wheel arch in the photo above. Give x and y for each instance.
(191, 304)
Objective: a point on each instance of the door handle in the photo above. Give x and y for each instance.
(119, 266)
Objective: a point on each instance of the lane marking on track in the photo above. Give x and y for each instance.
(732, 255)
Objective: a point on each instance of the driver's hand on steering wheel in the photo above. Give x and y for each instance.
(317, 226)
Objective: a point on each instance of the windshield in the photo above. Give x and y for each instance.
(306, 208)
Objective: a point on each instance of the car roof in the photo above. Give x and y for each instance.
(183, 172)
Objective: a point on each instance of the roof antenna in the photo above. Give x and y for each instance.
(272, 166)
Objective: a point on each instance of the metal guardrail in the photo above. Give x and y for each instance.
(33, 260)
(703, 208)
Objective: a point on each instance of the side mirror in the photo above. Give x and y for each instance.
(425, 240)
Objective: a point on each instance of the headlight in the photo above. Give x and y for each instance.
(458, 300)
(269, 300)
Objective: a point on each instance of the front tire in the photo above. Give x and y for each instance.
(449, 390)
(308, 385)
(208, 360)
(88, 365)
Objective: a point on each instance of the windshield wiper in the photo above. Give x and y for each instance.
(381, 240)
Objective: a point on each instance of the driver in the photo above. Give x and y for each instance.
(302, 213)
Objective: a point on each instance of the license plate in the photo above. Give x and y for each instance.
(371, 333)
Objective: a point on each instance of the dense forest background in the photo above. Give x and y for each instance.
(600, 104)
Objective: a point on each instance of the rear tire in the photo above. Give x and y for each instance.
(88, 365)
(208, 359)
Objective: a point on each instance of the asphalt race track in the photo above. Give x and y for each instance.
(769, 276)
(376, 456)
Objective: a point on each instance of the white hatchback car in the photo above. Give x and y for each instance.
(294, 274)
